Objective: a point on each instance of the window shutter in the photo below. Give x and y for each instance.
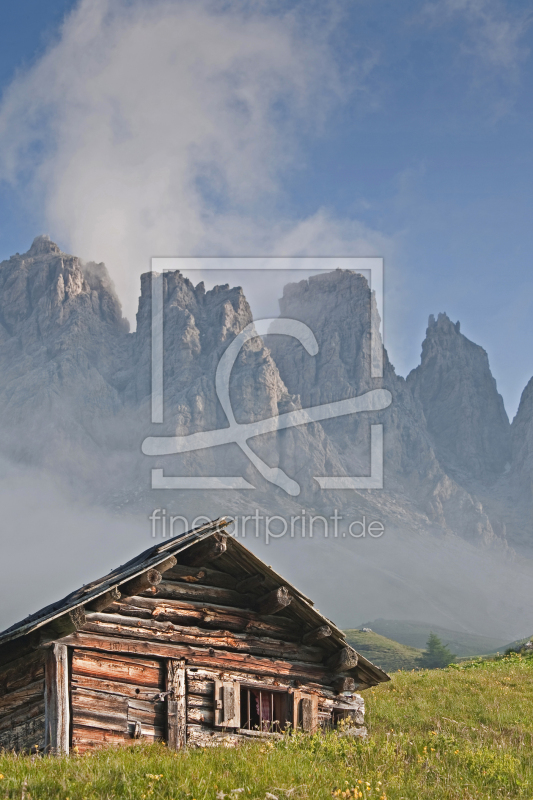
(305, 711)
(227, 704)
(295, 715)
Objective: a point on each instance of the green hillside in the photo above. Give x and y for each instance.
(517, 645)
(461, 733)
(415, 634)
(383, 652)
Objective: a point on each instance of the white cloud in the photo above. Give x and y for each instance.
(494, 33)
(164, 128)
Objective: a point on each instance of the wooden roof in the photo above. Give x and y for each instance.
(301, 607)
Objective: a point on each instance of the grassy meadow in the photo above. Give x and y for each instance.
(461, 732)
(385, 653)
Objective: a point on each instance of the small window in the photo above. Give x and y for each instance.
(263, 709)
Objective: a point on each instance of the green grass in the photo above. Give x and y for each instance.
(385, 653)
(415, 634)
(455, 734)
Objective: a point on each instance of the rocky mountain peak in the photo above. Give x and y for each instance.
(62, 342)
(45, 289)
(465, 414)
(42, 245)
(443, 324)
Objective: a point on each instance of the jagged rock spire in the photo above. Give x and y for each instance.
(465, 414)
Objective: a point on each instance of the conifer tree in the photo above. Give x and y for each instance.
(436, 654)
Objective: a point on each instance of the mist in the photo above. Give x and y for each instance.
(54, 541)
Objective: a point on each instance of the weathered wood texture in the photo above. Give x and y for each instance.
(227, 704)
(207, 576)
(206, 551)
(105, 600)
(208, 615)
(176, 705)
(309, 714)
(117, 625)
(169, 563)
(21, 672)
(25, 732)
(175, 590)
(77, 616)
(147, 580)
(22, 703)
(317, 635)
(307, 708)
(274, 601)
(251, 583)
(56, 699)
(344, 660)
(116, 697)
(304, 711)
(200, 656)
(341, 685)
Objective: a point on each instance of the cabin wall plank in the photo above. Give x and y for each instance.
(199, 735)
(178, 590)
(22, 703)
(89, 738)
(21, 672)
(28, 735)
(21, 713)
(207, 615)
(207, 576)
(136, 671)
(29, 693)
(56, 698)
(117, 625)
(130, 690)
(201, 656)
(199, 701)
(176, 705)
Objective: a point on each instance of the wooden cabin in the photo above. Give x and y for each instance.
(195, 642)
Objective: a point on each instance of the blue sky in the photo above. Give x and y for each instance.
(399, 129)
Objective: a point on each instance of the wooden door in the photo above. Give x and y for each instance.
(116, 699)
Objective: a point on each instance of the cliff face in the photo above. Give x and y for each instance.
(75, 396)
(198, 327)
(62, 338)
(337, 307)
(465, 414)
(522, 441)
(513, 492)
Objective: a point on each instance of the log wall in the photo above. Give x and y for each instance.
(22, 703)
